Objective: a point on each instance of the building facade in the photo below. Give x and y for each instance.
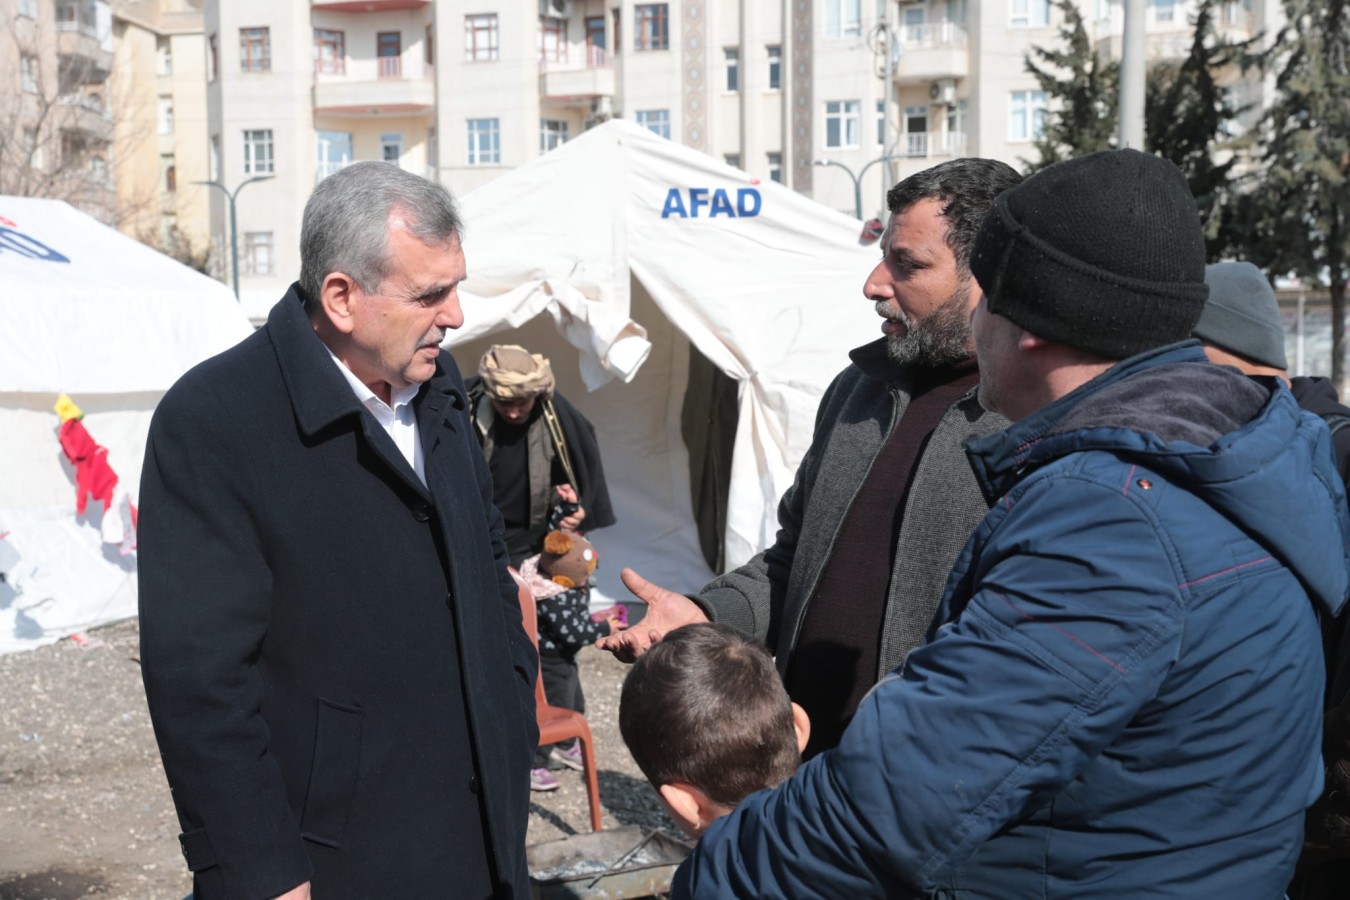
(56, 115)
(836, 98)
(160, 134)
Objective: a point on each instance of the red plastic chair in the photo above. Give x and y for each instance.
(555, 722)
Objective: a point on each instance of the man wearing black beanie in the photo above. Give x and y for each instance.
(1120, 696)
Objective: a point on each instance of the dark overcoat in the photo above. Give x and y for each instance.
(333, 654)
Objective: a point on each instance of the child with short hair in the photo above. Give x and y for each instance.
(707, 719)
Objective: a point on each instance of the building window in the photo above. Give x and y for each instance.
(843, 18)
(389, 53)
(28, 72)
(1029, 13)
(163, 56)
(480, 38)
(595, 31)
(255, 50)
(916, 131)
(552, 39)
(956, 129)
(98, 169)
(733, 62)
(32, 151)
(330, 51)
(775, 66)
(212, 58)
(1026, 115)
(258, 152)
(552, 133)
(485, 142)
(168, 173)
(257, 253)
(651, 27)
(164, 115)
(168, 229)
(28, 8)
(334, 150)
(776, 167)
(656, 121)
(732, 159)
(391, 148)
(841, 123)
(214, 157)
(881, 123)
(1164, 10)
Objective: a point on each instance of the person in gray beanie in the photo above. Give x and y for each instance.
(1241, 327)
(1119, 696)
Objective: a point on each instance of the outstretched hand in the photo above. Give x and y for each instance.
(666, 611)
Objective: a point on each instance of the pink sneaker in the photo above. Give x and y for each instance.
(571, 757)
(543, 780)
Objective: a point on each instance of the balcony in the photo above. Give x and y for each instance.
(327, 167)
(85, 113)
(375, 86)
(81, 54)
(577, 82)
(1159, 47)
(931, 51)
(367, 6)
(934, 145)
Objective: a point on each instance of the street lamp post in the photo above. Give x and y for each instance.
(857, 179)
(234, 234)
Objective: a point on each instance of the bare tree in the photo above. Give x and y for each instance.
(56, 117)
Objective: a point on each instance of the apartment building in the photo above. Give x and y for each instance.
(836, 98)
(159, 134)
(55, 114)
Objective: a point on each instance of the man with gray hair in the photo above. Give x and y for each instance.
(337, 673)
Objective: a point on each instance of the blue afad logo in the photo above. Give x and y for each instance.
(22, 244)
(711, 203)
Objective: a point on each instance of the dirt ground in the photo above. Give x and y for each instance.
(85, 809)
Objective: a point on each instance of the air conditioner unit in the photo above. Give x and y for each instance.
(602, 108)
(555, 9)
(943, 91)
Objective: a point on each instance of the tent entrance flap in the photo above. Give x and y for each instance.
(708, 426)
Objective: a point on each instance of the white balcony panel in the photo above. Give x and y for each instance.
(372, 94)
(930, 51)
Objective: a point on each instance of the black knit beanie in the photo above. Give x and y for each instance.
(1103, 253)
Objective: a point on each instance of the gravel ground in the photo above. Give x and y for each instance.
(85, 809)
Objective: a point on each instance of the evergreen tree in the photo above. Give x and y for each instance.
(1082, 94)
(1296, 212)
(1186, 117)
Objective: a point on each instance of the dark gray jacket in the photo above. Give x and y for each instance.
(767, 597)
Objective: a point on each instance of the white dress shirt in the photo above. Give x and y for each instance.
(399, 422)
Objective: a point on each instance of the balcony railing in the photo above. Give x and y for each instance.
(593, 58)
(390, 66)
(576, 82)
(929, 144)
(327, 167)
(931, 50)
(933, 34)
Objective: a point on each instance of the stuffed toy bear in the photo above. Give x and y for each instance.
(568, 559)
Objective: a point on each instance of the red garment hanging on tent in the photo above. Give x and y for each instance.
(93, 476)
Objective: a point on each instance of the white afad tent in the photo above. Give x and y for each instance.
(694, 314)
(91, 314)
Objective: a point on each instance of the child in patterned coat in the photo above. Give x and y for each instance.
(559, 579)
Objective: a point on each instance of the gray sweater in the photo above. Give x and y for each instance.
(767, 597)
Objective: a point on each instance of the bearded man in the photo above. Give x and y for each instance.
(884, 499)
